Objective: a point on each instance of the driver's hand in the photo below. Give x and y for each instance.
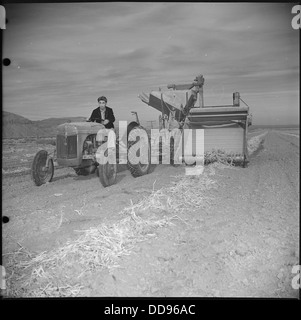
(105, 121)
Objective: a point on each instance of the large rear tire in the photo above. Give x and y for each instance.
(39, 173)
(139, 169)
(107, 173)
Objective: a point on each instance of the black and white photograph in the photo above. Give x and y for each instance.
(150, 150)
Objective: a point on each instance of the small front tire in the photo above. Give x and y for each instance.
(39, 173)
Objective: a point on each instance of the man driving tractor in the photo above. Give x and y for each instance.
(103, 114)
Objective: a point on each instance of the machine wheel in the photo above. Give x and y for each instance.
(172, 153)
(107, 173)
(39, 173)
(139, 169)
(245, 162)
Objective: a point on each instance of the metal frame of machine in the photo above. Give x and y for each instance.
(225, 126)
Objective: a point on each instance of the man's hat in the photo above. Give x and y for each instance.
(102, 98)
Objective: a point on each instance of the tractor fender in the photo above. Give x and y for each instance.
(130, 126)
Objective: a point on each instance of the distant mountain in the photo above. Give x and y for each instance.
(50, 125)
(11, 118)
(15, 126)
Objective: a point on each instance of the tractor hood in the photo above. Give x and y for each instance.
(79, 127)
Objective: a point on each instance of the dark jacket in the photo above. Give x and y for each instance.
(109, 115)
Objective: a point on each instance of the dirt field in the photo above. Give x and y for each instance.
(242, 241)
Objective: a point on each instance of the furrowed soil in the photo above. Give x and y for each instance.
(244, 244)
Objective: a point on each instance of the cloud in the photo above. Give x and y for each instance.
(163, 14)
(133, 54)
(67, 54)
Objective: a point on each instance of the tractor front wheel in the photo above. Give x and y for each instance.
(39, 172)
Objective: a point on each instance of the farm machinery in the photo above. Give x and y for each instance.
(224, 127)
(85, 146)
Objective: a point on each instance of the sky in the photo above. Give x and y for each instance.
(65, 55)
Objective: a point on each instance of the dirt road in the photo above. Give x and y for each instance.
(244, 244)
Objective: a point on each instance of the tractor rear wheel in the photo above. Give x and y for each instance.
(41, 174)
(139, 169)
(107, 172)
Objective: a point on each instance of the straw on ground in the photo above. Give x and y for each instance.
(59, 272)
